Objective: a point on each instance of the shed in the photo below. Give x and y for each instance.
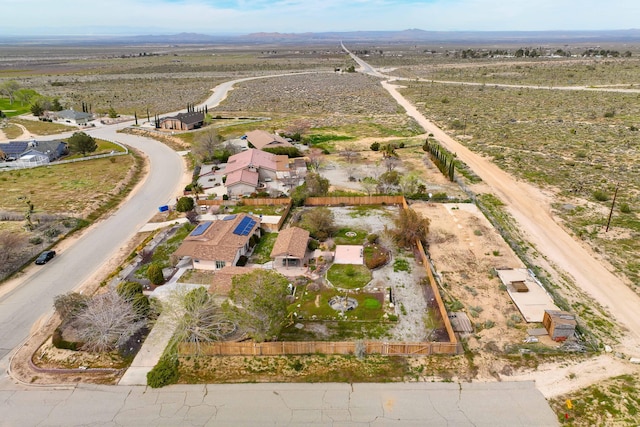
(291, 246)
(559, 324)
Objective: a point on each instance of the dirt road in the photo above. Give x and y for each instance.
(531, 209)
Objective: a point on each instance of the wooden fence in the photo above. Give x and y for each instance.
(353, 200)
(246, 202)
(248, 348)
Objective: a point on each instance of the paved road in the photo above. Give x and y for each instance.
(22, 306)
(399, 404)
(494, 404)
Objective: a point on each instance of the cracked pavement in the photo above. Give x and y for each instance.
(406, 404)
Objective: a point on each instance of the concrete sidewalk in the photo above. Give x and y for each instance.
(157, 341)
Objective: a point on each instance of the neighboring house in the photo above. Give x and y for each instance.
(183, 121)
(71, 116)
(52, 149)
(13, 150)
(246, 170)
(213, 245)
(261, 139)
(290, 247)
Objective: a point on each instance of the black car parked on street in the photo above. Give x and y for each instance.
(45, 257)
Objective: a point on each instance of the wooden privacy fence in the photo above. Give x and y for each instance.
(353, 200)
(246, 202)
(248, 348)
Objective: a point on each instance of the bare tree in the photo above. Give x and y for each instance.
(391, 163)
(410, 226)
(206, 143)
(10, 245)
(299, 128)
(350, 153)
(107, 322)
(316, 157)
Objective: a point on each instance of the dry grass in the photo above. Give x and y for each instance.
(67, 189)
(42, 128)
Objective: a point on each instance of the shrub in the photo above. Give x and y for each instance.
(154, 274)
(59, 342)
(625, 208)
(185, 204)
(225, 197)
(600, 196)
(313, 244)
(375, 146)
(128, 290)
(35, 240)
(372, 238)
(164, 373)
(374, 257)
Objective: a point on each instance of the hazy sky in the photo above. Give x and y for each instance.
(36, 17)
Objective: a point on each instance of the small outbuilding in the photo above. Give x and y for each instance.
(290, 247)
(559, 324)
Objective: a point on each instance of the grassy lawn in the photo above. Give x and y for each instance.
(341, 237)
(317, 304)
(14, 109)
(347, 276)
(262, 251)
(66, 188)
(162, 253)
(104, 147)
(43, 128)
(201, 277)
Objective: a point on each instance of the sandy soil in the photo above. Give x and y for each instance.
(531, 209)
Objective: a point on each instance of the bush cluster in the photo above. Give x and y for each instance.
(164, 373)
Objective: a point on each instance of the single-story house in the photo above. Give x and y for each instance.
(213, 245)
(183, 121)
(52, 149)
(290, 246)
(71, 116)
(261, 139)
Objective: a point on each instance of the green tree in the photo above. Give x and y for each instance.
(259, 306)
(410, 226)
(9, 89)
(154, 274)
(185, 204)
(375, 146)
(112, 113)
(83, 143)
(319, 222)
(316, 185)
(37, 109)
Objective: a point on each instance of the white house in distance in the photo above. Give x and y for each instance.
(213, 245)
(78, 118)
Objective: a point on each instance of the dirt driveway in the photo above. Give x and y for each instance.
(532, 211)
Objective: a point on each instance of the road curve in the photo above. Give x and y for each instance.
(532, 212)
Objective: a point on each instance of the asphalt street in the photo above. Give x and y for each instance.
(406, 404)
(393, 404)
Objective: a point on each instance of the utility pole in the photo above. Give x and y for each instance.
(613, 202)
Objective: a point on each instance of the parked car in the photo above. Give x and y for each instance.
(45, 257)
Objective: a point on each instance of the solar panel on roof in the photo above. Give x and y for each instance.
(200, 229)
(245, 226)
(229, 217)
